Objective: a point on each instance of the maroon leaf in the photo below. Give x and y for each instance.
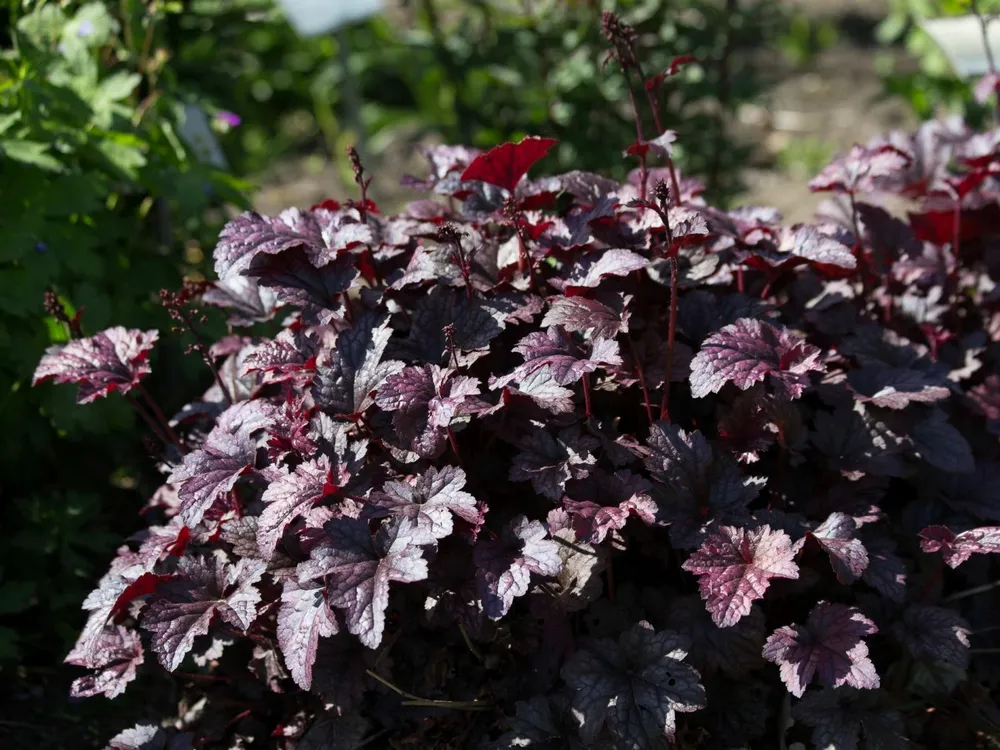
(291, 495)
(113, 360)
(935, 632)
(736, 566)
(548, 462)
(506, 164)
(829, 646)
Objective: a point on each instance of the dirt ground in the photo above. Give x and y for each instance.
(812, 112)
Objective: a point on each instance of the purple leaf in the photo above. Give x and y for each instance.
(567, 361)
(206, 588)
(116, 654)
(733, 650)
(603, 503)
(304, 617)
(843, 718)
(291, 495)
(886, 572)
(426, 403)
(861, 170)
(358, 568)
(548, 462)
(322, 234)
(702, 487)
(248, 303)
(210, 471)
(829, 646)
(957, 548)
(504, 566)
(589, 273)
(428, 502)
(848, 556)
(938, 633)
(896, 388)
(298, 282)
(735, 567)
(473, 325)
(113, 360)
(589, 316)
(746, 352)
(635, 687)
(348, 376)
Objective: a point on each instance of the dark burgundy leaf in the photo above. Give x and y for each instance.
(247, 302)
(848, 719)
(298, 282)
(348, 376)
(549, 462)
(427, 403)
(733, 650)
(829, 646)
(938, 633)
(635, 687)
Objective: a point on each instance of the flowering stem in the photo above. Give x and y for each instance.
(586, 395)
(671, 336)
(158, 413)
(414, 700)
(150, 422)
(454, 445)
(984, 24)
(654, 105)
(642, 379)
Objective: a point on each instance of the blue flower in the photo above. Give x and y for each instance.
(85, 29)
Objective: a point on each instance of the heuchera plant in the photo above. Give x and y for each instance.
(564, 463)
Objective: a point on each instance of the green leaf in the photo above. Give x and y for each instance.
(31, 152)
(119, 86)
(8, 120)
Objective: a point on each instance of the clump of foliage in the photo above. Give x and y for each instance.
(101, 196)
(567, 462)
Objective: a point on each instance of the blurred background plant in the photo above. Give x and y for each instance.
(926, 79)
(103, 201)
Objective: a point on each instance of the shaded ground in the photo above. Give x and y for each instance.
(814, 112)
